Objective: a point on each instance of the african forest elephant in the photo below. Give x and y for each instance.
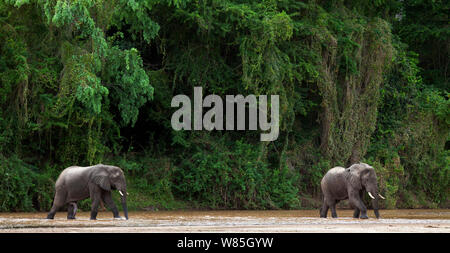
(350, 183)
(78, 183)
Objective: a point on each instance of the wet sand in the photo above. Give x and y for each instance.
(392, 221)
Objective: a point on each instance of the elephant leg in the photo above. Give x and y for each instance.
(324, 210)
(58, 202)
(107, 199)
(333, 209)
(356, 201)
(330, 203)
(357, 212)
(94, 208)
(95, 194)
(72, 210)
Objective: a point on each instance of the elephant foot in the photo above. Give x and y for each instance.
(119, 218)
(364, 216)
(93, 215)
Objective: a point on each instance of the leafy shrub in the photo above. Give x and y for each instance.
(234, 176)
(22, 188)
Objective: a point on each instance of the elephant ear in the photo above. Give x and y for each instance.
(102, 181)
(354, 176)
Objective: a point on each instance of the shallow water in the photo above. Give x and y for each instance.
(406, 220)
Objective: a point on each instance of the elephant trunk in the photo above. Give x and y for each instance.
(125, 209)
(124, 206)
(374, 196)
(375, 207)
(123, 196)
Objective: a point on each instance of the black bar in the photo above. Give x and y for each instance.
(224, 241)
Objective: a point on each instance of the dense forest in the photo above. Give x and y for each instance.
(91, 81)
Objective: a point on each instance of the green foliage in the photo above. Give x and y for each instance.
(438, 103)
(17, 182)
(234, 176)
(136, 15)
(21, 187)
(412, 130)
(129, 82)
(423, 25)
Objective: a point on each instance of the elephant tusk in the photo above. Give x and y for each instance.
(381, 196)
(121, 194)
(128, 193)
(370, 194)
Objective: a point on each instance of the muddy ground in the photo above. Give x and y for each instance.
(405, 221)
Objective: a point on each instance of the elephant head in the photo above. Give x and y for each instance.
(112, 178)
(363, 177)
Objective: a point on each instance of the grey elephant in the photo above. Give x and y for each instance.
(350, 183)
(77, 183)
